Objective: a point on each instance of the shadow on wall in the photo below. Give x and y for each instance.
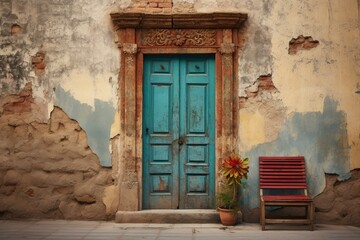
(95, 122)
(320, 137)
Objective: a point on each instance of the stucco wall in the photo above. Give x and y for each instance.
(291, 104)
(315, 113)
(80, 58)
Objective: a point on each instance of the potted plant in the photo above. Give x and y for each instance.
(233, 169)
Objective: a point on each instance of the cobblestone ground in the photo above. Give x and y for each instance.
(63, 230)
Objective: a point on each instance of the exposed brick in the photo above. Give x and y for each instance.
(20, 103)
(38, 62)
(154, 10)
(266, 83)
(153, 4)
(140, 5)
(16, 29)
(301, 43)
(38, 58)
(137, 9)
(165, 5)
(167, 10)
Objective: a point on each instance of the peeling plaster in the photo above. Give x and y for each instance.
(320, 137)
(301, 43)
(96, 121)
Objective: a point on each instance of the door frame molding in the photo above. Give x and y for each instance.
(138, 34)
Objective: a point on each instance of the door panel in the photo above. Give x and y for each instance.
(159, 130)
(197, 117)
(178, 132)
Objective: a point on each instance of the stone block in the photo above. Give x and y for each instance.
(37, 178)
(104, 177)
(343, 189)
(7, 190)
(94, 211)
(86, 188)
(324, 202)
(21, 207)
(111, 199)
(85, 198)
(49, 204)
(12, 177)
(355, 190)
(69, 179)
(70, 209)
(327, 217)
(63, 190)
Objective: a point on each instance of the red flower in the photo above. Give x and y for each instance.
(234, 169)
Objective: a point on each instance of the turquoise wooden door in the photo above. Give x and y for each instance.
(178, 131)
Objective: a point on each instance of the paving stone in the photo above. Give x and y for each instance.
(73, 230)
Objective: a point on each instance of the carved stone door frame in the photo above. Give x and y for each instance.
(139, 34)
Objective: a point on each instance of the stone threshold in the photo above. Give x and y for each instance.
(170, 216)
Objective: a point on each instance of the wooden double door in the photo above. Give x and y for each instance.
(178, 131)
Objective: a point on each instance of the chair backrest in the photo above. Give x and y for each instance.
(278, 172)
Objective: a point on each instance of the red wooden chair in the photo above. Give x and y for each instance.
(284, 173)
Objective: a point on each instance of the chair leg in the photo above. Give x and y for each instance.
(262, 215)
(311, 215)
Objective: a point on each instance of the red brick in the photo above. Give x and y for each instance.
(137, 9)
(165, 5)
(153, 5)
(21, 104)
(167, 10)
(140, 5)
(153, 10)
(37, 59)
(40, 65)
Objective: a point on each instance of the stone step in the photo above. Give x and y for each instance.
(170, 216)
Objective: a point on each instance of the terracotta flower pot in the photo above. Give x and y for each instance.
(228, 217)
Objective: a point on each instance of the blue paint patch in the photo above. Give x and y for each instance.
(320, 137)
(96, 122)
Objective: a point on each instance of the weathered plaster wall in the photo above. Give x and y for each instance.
(65, 50)
(75, 44)
(315, 97)
(47, 170)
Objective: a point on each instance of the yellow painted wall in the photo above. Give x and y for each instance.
(330, 69)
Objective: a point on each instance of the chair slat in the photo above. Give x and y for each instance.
(282, 180)
(283, 187)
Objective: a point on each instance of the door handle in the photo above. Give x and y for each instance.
(181, 141)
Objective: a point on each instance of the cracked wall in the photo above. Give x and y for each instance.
(47, 169)
(312, 112)
(62, 44)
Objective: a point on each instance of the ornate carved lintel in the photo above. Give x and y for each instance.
(227, 48)
(179, 37)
